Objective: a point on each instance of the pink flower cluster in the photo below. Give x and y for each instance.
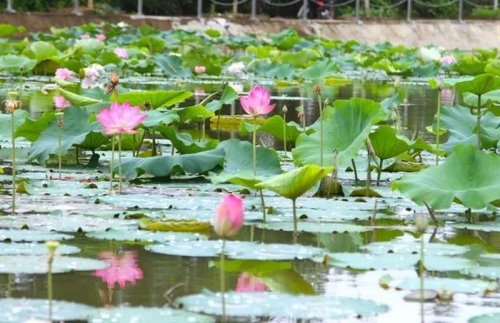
(250, 284)
(120, 118)
(60, 102)
(448, 60)
(121, 53)
(92, 75)
(257, 102)
(64, 74)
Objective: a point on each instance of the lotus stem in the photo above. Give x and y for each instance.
(478, 123)
(320, 105)
(111, 164)
(295, 230)
(120, 163)
(60, 124)
(284, 128)
(49, 285)
(354, 168)
(438, 125)
(421, 272)
(218, 123)
(254, 144)
(263, 206)
(379, 174)
(12, 128)
(153, 149)
(222, 280)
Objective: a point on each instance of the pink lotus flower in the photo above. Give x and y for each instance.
(120, 118)
(123, 268)
(92, 75)
(100, 37)
(85, 36)
(200, 69)
(64, 74)
(257, 102)
(448, 60)
(248, 283)
(60, 102)
(229, 216)
(121, 52)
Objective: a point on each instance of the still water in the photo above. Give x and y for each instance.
(185, 275)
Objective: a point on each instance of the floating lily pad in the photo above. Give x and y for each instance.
(466, 286)
(21, 310)
(486, 318)
(487, 227)
(147, 315)
(32, 235)
(365, 261)
(298, 307)
(483, 272)
(146, 236)
(236, 250)
(400, 246)
(164, 225)
(38, 264)
(317, 227)
(34, 249)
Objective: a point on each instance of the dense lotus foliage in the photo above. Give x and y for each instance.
(319, 189)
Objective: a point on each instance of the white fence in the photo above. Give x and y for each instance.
(303, 12)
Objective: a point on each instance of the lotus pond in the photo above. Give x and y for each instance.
(370, 190)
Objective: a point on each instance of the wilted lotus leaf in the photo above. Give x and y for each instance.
(164, 225)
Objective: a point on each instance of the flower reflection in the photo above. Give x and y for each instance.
(123, 268)
(248, 283)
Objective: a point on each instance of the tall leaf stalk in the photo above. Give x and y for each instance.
(11, 104)
(478, 122)
(51, 249)
(254, 157)
(438, 122)
(60, 124)
(222, 280)
(120, 186)
(111, 164)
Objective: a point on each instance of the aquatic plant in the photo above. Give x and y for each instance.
(51, 250)
(120, 119)
(123, 268)
(229, 219)
(11, 104)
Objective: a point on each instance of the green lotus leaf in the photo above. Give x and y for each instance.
(345, 127)
(275, 126)
(474, 187)
(31, 235)
(461, 126)
(91, 46)
(193, 113)
(41, 51)
(94, 140)
(6, 123)
(238, 165)
(13, 310)
(7, 30)
(366, 261)
(486, 272)
(146, 314)
(237, 250)
(75, 99)
(174, 225)
(319, 70)
(158, 117)
(75, 130)
(469, 64)
(466, 286)
(404, 246)
(25, 264)
(171, 66)
(18, 64)
(152, 43)
(485, 318)
(33, 249)
(274, 70)
(228, 96)
(280, 306)
(479, 85)
(166, 165)
(295, 183)
(387, 143)
(155, 99)
(184, 143)
(144, 236)
(316, 227)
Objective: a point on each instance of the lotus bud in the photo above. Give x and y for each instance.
(60, 121)
(285, 109)
(440, 86)
(397, 82)
(51, 249)
(326, 102)
(421, 222)
(317, 89)
(229, 216)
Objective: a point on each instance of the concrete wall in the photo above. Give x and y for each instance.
(445, 33)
